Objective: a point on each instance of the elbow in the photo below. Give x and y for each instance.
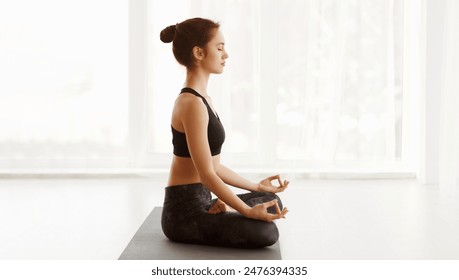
(209, 178)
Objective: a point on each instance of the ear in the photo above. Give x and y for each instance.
(198, 53)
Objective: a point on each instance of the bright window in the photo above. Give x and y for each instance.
(307, 84)
(317, 84)
(63, 89)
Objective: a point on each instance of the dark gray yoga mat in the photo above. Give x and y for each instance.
(150, 243)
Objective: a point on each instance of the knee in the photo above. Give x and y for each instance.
(259, 234)
(272, 196)
(269, 235)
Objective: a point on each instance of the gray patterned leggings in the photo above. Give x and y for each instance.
(185, 219)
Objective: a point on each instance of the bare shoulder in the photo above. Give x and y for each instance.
(187, 103)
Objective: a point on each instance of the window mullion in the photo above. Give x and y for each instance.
(137, 82)
(268, 81)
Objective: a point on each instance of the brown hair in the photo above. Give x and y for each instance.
(186, 35)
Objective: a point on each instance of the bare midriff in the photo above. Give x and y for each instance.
(184, 172)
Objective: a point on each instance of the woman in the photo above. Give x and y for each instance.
(189, 213)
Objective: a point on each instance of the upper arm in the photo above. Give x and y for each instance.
(195, 119)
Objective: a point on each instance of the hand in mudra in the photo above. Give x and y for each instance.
(260, 211)
(266, 185)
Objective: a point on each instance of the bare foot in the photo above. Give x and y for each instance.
(219, 207)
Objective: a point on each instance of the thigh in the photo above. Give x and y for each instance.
(231, 229)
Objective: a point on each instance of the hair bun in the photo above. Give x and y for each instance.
(168, 34)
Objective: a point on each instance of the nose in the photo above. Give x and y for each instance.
(225, 55)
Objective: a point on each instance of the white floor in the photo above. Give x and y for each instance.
(328, 219)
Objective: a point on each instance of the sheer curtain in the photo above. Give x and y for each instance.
(340, 94)
(314, 84)
(449, 114)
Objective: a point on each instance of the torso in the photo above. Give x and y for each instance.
(182, 170)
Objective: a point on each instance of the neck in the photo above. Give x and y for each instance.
(197, 80)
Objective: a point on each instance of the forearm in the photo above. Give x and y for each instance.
(232, 178)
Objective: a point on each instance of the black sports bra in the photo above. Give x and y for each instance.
(215, 132)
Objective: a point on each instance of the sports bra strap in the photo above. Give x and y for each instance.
(192, 91)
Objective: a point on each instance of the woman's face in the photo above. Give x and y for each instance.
(214, 61)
